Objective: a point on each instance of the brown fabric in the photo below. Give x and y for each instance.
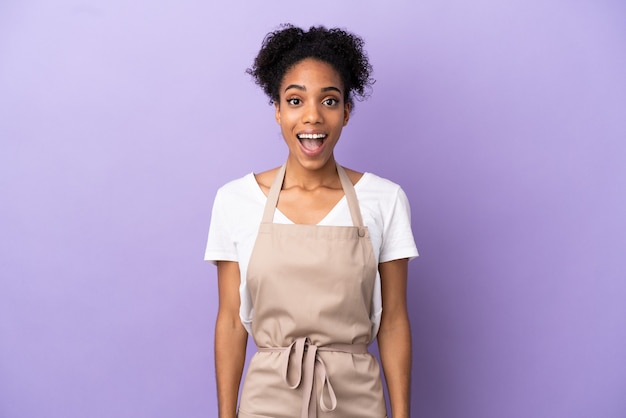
(311, 288)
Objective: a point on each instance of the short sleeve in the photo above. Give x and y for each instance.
(398, 241)
(221, 243)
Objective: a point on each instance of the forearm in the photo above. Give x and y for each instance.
(394, 343)
(230, 354)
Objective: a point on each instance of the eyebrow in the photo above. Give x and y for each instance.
(303, 88)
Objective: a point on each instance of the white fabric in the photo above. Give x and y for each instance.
(238, 209)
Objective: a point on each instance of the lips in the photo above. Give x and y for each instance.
(311, 141)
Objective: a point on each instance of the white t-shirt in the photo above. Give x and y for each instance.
(238, 209)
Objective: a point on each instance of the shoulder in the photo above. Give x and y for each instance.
(235, 190)
(265, 179)
(380, 196)
(355, 176)
(368, 180)
(373, 183)
(237, 203)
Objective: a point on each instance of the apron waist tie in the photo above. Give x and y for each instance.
(305, 354)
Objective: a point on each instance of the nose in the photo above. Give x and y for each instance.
(312, 114)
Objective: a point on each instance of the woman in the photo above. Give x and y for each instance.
(308, 253)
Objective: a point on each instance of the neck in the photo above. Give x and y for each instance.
(298, 176)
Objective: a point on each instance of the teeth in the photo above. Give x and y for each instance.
(311, 136)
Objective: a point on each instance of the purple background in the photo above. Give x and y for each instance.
(505, 122)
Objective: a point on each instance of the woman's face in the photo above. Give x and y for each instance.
(311, 112)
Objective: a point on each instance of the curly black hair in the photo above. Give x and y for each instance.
(284, 48)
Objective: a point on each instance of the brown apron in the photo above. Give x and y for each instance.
(311, 288)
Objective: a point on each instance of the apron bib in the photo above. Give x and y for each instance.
(311, 288)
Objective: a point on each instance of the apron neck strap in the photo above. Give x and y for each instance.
(272, 196)
(346, 184)
(353, 202)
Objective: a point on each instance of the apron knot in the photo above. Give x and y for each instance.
(309, 370)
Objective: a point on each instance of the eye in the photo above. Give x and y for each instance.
(330, 102)
(294, 101)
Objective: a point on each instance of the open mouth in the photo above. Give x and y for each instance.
(311, 142)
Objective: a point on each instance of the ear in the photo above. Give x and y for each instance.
(277, 114)
(346, 113)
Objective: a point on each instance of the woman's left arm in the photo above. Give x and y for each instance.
(394, 336)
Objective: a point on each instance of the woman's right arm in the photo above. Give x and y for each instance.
(231, 339)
